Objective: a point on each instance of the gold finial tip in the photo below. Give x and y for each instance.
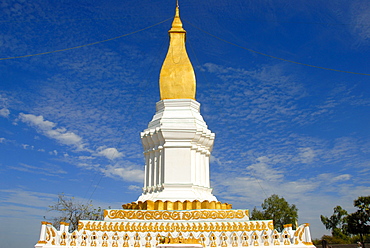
(177, 12)
(177, 24)
(177, 77)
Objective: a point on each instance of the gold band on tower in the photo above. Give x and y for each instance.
(177, 77)
(178, 205)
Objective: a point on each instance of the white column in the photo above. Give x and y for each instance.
(204, 171)
(61, 228)
(160, 166)
(163, 166)
(144, 140)
(146, 179)
(198, 167)
(193, 165)
(156, 170)
(201, 141)
(207, 170)
(43, 232)
(307, 233)
(151, 167)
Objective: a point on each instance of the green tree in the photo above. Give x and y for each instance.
(257, 214)
(277, 209)
(336, 223)
(72, 211)
(359, 221)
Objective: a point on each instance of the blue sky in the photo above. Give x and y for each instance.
(70, 121)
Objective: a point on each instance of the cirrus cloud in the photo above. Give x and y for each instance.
(4, 112)
(110, 153)
(50, 130)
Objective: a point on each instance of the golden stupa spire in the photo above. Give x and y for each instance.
(177, 77)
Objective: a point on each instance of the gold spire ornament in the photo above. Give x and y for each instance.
(177, 77)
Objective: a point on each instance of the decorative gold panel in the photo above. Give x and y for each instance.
(171, 227)
(178, 215)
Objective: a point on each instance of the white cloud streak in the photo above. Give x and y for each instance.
(49, 170)
(4, 112)
(360, 20)
(109, 153)
(50, 130)
(65, 137)
(127, 173)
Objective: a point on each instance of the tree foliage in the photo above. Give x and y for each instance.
(71, 211)
(277, 209)
(359, 221)
(333, 240)
(336, 223)
(350, 227)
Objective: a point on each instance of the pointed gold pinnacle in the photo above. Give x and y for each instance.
(177, 77)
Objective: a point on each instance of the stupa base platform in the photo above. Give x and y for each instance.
(174, 229)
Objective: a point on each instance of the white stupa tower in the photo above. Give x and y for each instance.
(177, 143)
(176, 208)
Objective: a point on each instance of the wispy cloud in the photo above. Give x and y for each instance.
(306, 193)
(49, 170)
(360, 21)
(20, 197)
(269, 114)
(51, 130)
(307, 155)
(265, 95)
(4, 112)
(262, 169)
(127, 173)
(268, 143)
(109, 153)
